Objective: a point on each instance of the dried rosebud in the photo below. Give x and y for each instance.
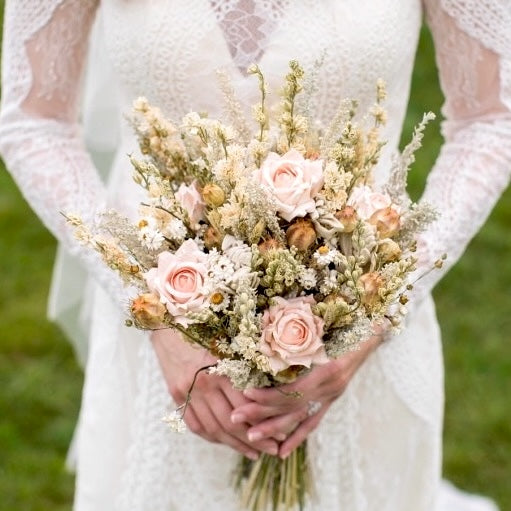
(269, 245)
(213, 195)
(389, 250)
(348, 218)
(212, 238)
(148, 311)
(301, 234)
(387, 221)
(371, 284)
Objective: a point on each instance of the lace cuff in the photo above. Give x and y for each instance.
(474, 165)
(45, 44)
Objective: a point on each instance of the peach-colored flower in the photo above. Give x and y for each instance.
(179, 281)
(148, 310)
(292, 334)
(348, 218)
(371, 284)
(387, 222)
(366, 201)
(191, 200)
(301, 234)
(293, 182)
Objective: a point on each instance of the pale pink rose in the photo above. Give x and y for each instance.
(178, 280)
(292, 334)
(366, 201)
(191, 199)
(293, 181)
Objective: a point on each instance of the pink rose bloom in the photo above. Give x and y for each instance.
(179, 280)
(191, 200)
(366, 201)
(293, 181)
(292, 334)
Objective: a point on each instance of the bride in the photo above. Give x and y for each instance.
(376, 429)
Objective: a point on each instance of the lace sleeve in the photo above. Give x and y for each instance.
(473, 51)
(44, 48)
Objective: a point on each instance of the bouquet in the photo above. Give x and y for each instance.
(269, 246)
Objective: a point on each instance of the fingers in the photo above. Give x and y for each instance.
(278, 427)
(253, 413)
(238, 401)
(301, 432)
(213, 411)
(201, 421)
(322, 383)
(278, 397)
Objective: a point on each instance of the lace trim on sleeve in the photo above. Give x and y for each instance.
(44, 49)
(487, 21)
(472, 42)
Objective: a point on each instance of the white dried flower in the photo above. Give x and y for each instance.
(141, 104)
(329, 282)
(220, 270)
(219, 301)
(324, 256)
(191, 119)
(149, 234)
(238, 252)
(175, 229)
(238, 371)
(244, 276)
(307, 278)
(152, 239)
(175, 421)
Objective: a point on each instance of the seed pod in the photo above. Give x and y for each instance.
(371, 284)
(301, 234)
(389, 250)
(148, 311)
(387, 222)
(213, 195)
(212, 238)
(268, 245)
(348, 218)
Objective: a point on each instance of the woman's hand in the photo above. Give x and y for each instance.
(273, 413)
(213, 397)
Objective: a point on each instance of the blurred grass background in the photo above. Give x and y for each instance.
(41, 382)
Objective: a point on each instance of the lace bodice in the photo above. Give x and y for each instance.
(169, 51)
(184, 44)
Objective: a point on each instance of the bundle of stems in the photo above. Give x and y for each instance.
(275, 484)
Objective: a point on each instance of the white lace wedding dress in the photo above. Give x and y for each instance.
(379, 447)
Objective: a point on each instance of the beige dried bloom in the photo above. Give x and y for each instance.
(212, 237)
(387, 222)
(213, 195)
(381, 90)
(301, 234)
(371, 284)
(148, 311)
(389, 250)
(348, 218)
(269, 245)
(379, 114)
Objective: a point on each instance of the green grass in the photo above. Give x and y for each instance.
(40, 390)
(474, 305)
